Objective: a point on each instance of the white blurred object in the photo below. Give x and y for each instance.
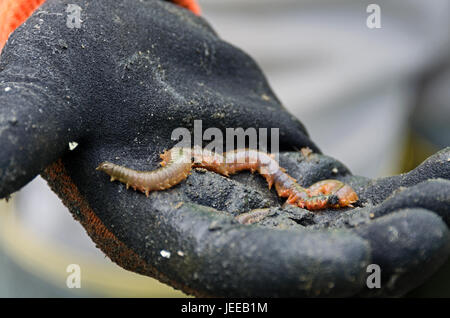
(350, 85)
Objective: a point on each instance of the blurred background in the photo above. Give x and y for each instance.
(376, 99)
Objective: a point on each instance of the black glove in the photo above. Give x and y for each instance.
(119, 86)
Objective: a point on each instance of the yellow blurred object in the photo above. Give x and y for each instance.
(416, 150)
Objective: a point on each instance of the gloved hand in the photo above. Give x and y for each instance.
(119, 85)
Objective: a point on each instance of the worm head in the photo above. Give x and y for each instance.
(105, 166)
(346, 196)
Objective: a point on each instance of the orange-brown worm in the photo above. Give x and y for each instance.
(178, 162)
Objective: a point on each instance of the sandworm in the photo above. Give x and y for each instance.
(178, 162)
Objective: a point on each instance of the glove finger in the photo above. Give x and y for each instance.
(408, 246)
(436, 166)
(36, 127)
(433, 195)
(39, 109)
